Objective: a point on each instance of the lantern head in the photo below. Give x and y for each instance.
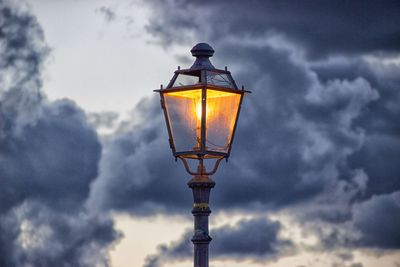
(201, 107)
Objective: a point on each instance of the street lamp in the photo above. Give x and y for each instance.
(201, 107)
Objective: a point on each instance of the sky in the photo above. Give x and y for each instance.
(86, 174)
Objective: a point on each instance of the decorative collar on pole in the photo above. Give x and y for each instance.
(202, 52)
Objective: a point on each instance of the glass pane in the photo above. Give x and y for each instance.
(221, 112)
(219, 79)
(183, 80)
(184, 112)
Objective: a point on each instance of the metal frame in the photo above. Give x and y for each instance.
(235, 125)
(207, 154)
(203, 153)
(200, 86)
(201, 170)
(170, 135)
(184, 71)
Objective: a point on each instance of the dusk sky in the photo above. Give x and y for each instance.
(87, 178)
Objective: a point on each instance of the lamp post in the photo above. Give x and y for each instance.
(201, 107)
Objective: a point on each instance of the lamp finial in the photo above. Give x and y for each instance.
(202, 52)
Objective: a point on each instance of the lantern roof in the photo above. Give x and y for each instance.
(202, 72)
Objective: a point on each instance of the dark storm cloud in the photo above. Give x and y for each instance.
(372, 225)
(298, 122)
(298, 130)
(135, 173)
(377, 219)
(325, 132)
(308, 133)
(295, 139)
(21, 49)
(305, 141)
(380, 119)
(48, 158)
(256, 239)
(53, 160)
(35, 235)
(320, 27)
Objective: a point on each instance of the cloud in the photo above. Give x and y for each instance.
(36, 235)
(292, 119)
(49, 156)
(107, 12)
(135, 174)
(257, 239)
(53, 160)
(105, 119)
(370, 225)
(320, 113)
(22, 49)
(319, 28)
(319, 119)
(377, 220)
(379, 119)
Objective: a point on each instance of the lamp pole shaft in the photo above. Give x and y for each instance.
(201, 186)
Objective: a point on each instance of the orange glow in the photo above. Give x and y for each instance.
(221, 110)
(194, 97)
(198, 110)
(190, 110)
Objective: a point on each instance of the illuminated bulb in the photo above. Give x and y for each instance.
(198, 110)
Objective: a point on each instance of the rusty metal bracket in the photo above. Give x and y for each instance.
(201, 169)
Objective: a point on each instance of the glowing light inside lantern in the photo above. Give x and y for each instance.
(185, 110)
(198, 110)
